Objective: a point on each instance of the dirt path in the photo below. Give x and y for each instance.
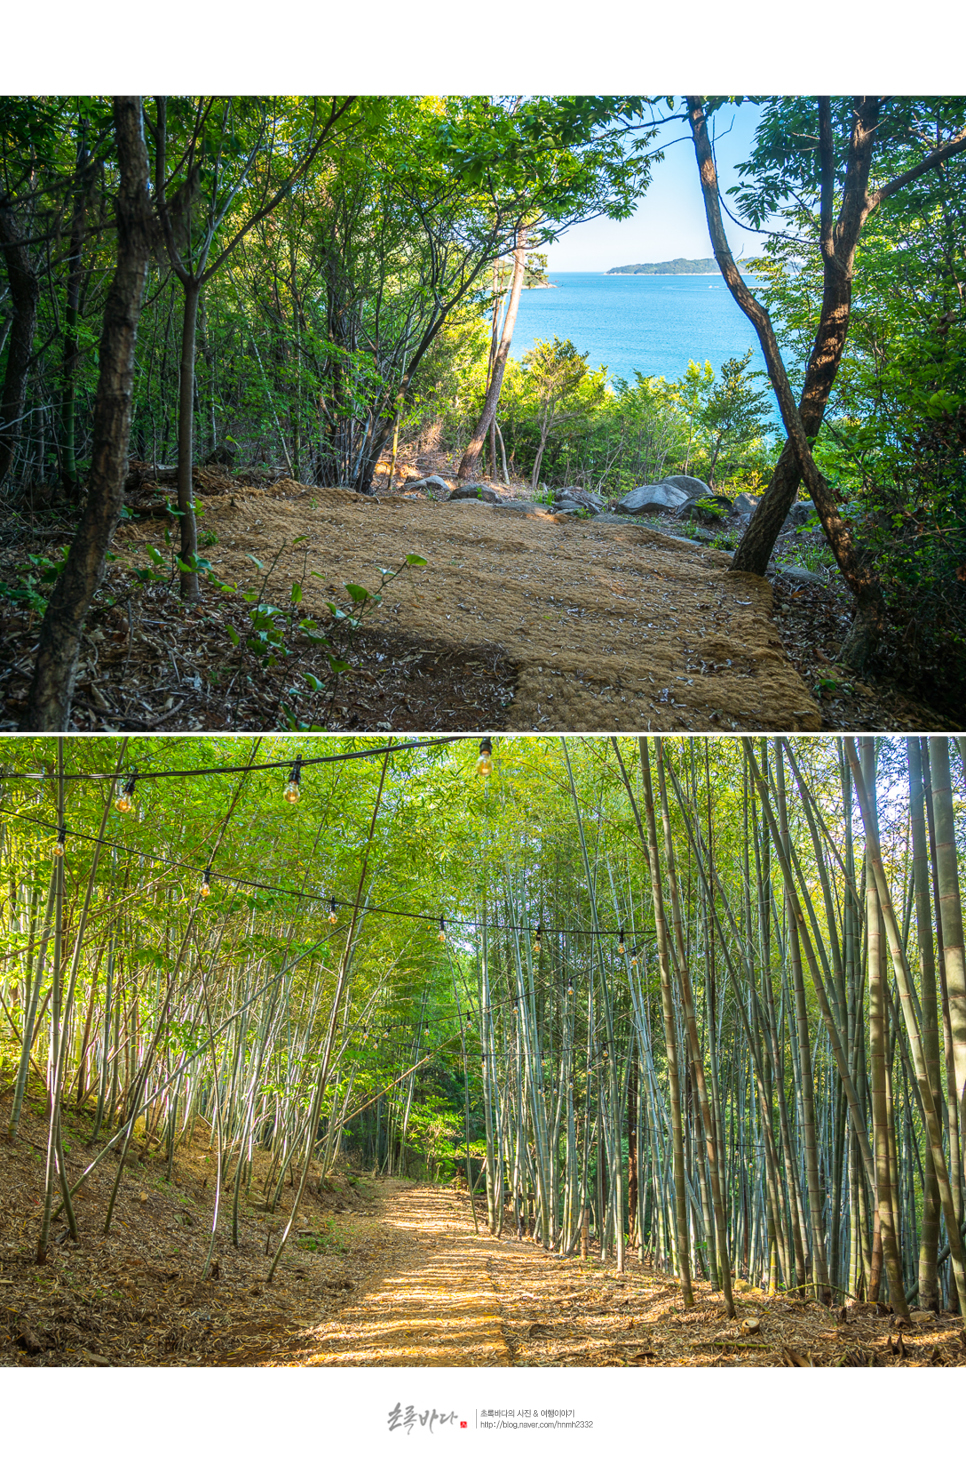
(438, 1308)
(454, 1298)
(378, 1273)
(612, 627)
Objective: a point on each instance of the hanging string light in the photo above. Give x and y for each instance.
(620, 944)
(206, 882)
(60, 843)
(484, 766)
(260, 885)
(124, 802)
(442, 929)
(291, 791)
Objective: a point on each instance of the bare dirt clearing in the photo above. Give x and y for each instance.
(611, 628)
(519, 622)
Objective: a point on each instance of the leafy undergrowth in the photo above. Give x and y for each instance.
(151, 663)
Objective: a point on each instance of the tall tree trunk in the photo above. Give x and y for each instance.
(24, 295)
(929, 1241)
(838, 241)
(632, 1188)
(838, 245)
(670, 1034)
(186, 388)
(855, 565)
(809, 1138)
(48, 707)
(72, 356)
(697, 1059)
(885, 1183)
(471, 455)
(903, 978)
(951, 910)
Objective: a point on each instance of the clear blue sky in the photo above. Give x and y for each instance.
(669, 220)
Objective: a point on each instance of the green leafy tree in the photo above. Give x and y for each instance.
(221, 165)
(734, 417)
(558, 389)
(830, 163)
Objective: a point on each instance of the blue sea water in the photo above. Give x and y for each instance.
(651, 323)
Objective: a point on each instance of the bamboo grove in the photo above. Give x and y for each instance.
(702, 1001)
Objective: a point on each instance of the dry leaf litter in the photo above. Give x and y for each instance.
(381, 1273)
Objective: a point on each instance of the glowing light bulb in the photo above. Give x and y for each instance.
(60, 844)
(484, 766)
(124, 802)
(333, 918)
(442, 929)
(633, 959)
(291, 791)
(536, 942)
(206, 883)
(620, 944)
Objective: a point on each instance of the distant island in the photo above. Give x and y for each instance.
(706, 266)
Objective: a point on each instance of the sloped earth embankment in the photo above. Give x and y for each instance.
(611, 627)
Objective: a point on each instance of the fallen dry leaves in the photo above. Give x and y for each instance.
(399, 1278)
(136, 1297)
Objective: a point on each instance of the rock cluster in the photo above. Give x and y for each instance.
(686, 498)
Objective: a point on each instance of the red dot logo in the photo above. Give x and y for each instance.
(462, 1424)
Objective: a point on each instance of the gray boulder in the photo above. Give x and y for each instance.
(429, 483)
(690, 485)
(566, 505)
(576, 494)
(745, 505)
(472, 492)
(662, 497)
(798, 514)
(520, 506)
(691, 508)
(797, 575)
(612, 518)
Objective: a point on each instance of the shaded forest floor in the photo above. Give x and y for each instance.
(517, 623)
(376, 1273)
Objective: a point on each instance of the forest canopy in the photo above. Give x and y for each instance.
(707, 997)
(324, 278)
